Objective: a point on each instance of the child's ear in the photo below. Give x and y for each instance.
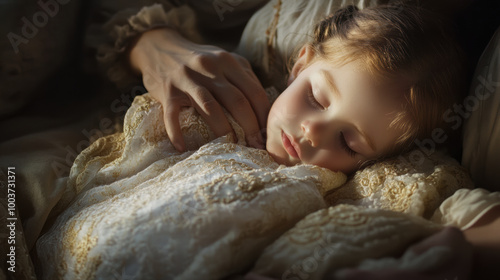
(306, 54)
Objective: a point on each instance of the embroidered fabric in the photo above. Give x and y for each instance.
(134, 204)
(141, 209)
(376, 215)
(411, 183)
(343, 236)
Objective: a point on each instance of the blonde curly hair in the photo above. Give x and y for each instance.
(399, 41)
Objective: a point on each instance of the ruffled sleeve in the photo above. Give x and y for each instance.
(201, 21)
(464, 208)
(125, 26)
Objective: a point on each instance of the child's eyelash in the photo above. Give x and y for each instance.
(346, 147)
(313, 100)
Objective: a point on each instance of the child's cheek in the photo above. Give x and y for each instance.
(291, 108)
(274, 122)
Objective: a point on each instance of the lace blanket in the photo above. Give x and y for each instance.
(141, 209)
(135, 208)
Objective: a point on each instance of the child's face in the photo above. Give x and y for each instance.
(337, 124)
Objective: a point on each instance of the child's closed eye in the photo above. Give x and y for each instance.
(313, 101)
(346, 147)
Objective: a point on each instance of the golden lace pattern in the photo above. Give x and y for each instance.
(338, 237)
(140, 208)
(404, 184)
(138, 204)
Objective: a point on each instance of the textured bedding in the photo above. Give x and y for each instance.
(135, 207)
(142, 208)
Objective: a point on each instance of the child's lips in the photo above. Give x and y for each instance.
(291, 147)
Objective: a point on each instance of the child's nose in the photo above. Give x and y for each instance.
(311, 132)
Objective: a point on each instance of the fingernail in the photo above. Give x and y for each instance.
(179, 147)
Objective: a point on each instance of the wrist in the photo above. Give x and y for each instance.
(143, 45)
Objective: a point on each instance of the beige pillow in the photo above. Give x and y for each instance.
(481, 152)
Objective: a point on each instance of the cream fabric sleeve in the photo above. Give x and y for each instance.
(464, 208)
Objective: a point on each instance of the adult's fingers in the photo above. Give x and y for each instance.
(173, 100)
(239, 107)
(247, 82)
(173, 127)
(258, 108)
(210, 110)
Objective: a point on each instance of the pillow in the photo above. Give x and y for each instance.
(481, 151)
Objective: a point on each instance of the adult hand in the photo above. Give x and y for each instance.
(458, 267)
(179, 73)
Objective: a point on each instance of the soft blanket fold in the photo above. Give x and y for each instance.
(140, 208)
(135, 208)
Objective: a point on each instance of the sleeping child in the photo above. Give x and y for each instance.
(369, 83)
